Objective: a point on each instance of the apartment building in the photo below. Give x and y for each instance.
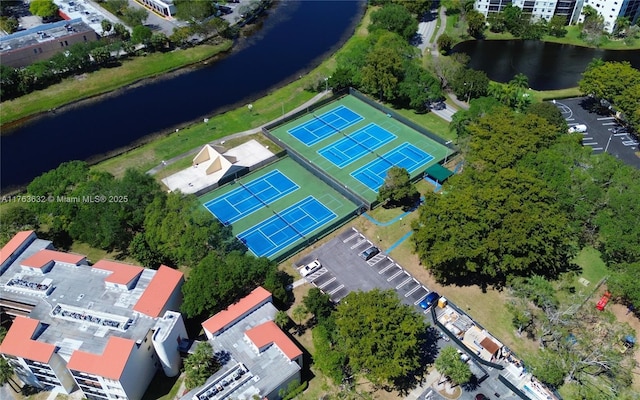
(258, 358)
(105, 329)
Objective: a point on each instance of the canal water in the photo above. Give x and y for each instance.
(293, 38)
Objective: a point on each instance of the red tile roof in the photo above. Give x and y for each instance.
(110, 364)
(41, 258)
(122, 274)
(489, 345)
(19, 342)
(267, 333)
(13, 244)
(237, 310)
(160, 289)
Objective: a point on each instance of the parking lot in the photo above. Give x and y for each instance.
(600, 125)
(343, 270)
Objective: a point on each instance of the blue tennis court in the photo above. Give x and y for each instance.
(277, 232)
(352, 147)
(406, 156)
(325, 125)
(250, 197)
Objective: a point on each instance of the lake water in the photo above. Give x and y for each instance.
(548, 66)
(293, 38)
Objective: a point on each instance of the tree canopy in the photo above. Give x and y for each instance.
(450, 365)
(380, 337)
(43, 8)
(496, 220)
(394, 18)
(199, 366)
(398, 190)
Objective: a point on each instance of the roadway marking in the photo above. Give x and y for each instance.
(570, 119)
(385, 269)
(610, 123)
(596, 148)
(409, 293)
(629, 143)
(418, 302)
(404, 283)
(587, 138)
(395, 275)
(589, 143)
(605, 118)
(327, 283)
(584, 133)
(619, 134)
(336, 289)
(350, 237)
(358, 244)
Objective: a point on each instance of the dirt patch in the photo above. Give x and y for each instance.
(622, 315)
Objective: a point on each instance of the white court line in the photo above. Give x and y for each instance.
(589, 143)
(605, 118)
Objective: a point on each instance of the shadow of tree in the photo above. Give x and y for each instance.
(428, 353)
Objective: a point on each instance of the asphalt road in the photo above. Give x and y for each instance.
(599, 135)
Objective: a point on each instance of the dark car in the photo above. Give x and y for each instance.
(369, 253)
(480, 396)
(439, 106)
(429, 300)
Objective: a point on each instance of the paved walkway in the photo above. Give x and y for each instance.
(248, 132)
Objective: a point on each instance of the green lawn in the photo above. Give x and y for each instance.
(105, 80)
(593, 268)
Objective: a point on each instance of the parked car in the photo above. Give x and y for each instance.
(438, 106)
(310, 268)
(580, 128)
(429, 300)
(480, 396)
(369, 253)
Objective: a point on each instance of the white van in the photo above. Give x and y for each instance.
(580, 128)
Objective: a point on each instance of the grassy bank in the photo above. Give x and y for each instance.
(105, 80)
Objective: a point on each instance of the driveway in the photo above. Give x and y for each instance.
(599, 135)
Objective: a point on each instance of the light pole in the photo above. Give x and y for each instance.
(608, 141)
(469, 91)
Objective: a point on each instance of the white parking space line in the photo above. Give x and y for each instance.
(589, 143)
(597, 148)
(629, 143)
(570, 119)
(418, 302)
(396, 275)
(605, 118)
(385, 269)
(410, 292)
(610, 123)
(587, 138)
(619, 134)
(404, 283)
(336, 289)
(584, 133)
(327, 283)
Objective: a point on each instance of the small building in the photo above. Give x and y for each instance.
(105, 328)
(43, 42)
(260, 359)
(480, 342)
(214, 166)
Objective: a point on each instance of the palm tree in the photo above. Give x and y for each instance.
(282, 319)
(300, 312)
(6, 371)
(450, 365)
(520, 81)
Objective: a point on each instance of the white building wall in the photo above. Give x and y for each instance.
(169, 331)
(608, 9)
(275, 394)
(140, 369)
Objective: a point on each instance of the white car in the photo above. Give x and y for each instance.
(310, 268)
(580, 128)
